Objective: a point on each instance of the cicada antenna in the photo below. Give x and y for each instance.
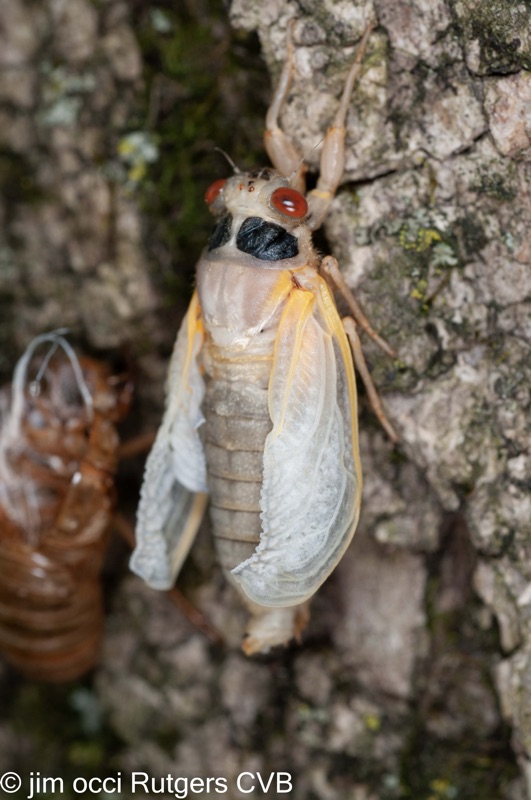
(236, 169)
(293, 176)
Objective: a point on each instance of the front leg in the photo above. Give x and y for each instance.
(282, 153)
(285, 157)
(333, 154)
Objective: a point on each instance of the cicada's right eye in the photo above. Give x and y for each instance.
(214, 191)
(289, 202)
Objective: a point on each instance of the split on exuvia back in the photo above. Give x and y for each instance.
(261, 415)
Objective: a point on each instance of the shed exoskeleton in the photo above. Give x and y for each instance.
(58, 457)
(261, 414)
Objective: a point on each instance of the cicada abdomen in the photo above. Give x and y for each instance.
(58, 452)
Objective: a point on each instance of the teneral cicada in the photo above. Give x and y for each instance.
(261, 397)
(58, 454)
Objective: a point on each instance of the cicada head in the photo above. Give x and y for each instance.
(259, 214)
(261, 192)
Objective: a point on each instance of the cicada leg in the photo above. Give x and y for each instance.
(126, 530)
(361, 366)
(333, 152)
(330, 269)
(282, 153)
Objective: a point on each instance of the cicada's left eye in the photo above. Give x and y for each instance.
(290, 202)
(214, 190)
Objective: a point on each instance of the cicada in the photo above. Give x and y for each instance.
(261, 410)
(58, 455)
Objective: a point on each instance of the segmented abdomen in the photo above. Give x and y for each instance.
(237, 424)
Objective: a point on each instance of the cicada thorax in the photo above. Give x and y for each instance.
(58, 460)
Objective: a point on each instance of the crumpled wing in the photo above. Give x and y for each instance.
(173, 496)
(312, 478)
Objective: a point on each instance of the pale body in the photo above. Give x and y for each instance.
(263, 358)
(261, 400)
(244, 301)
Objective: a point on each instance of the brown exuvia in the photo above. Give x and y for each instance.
(58, 452)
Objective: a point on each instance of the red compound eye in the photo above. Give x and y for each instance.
(289, 202)
(213, 190)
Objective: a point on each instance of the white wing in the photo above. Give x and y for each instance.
(173, 495)
(312, 478)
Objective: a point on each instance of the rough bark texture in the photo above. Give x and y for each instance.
(414, 678)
